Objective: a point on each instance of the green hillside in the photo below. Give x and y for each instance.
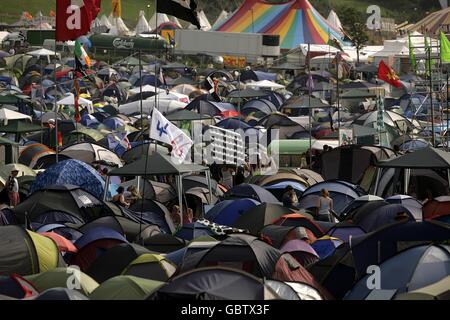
(401, 10)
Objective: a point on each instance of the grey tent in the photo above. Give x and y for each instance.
(187, 115)
(426, 158)
(157, 164)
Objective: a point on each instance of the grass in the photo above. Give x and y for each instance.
(130, 9)
(401, 10)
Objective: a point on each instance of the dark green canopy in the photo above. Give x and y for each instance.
(181, 80)
(426, 158)
(156, 164)
(370, 68)
(19, 126)
(247, 93)
(4, 142)
(287, 66)
(357, 94)
(305, 102)
(174, 65)
(129, 61)
(358, 131)
(187, 115)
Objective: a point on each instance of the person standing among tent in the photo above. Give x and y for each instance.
(290, 199)
(13, 188)
(325, 206)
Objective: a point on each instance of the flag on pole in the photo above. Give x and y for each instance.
(117, 8)
(163, 130)
(412, 56)
(445, 48)
(81, 54)
(74, 18)
(182, 9)
(388, 75)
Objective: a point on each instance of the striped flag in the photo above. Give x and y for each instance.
(81, 54)
(117, 8)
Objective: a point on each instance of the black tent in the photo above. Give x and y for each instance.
(257, 217)
(64, 203)
(426, 158)
(247, 252)
(219, 283)
(114, 261)
(376, 247)
(156, 164)
(187, 115)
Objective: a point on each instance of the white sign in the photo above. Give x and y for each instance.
(120, 43)
(345, 137)
(85, 200)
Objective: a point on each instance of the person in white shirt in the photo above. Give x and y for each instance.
(325, 206)
(13, 189)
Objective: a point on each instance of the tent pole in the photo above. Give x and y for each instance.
(140, 98)
(208, 178)
(377, 181)
(105, 192)
(406, 180)
(309, 106)
(180, 197)
(448, 177)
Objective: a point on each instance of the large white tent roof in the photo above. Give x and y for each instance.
(6, 114)
(142, 25)
(204, 22)
(334, 20)
(69, 100)
(220, 19)
(176, 21)
(164, 105)
(42, 52)
(162, 18)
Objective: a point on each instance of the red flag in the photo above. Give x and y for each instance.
(74, 18)
(60, 139)
(388, 75)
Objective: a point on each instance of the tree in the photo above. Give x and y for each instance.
(354, 25)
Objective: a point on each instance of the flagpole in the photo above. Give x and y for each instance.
(156, 65)
(56, 112)
(433, 141)
(309, 105)
(140, 98)
(337, 90)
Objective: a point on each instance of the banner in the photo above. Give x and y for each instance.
(163, 130)
(74, 18)
(234, 62)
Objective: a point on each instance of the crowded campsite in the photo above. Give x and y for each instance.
(258, 152)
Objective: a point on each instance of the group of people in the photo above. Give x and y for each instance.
(323, 208)
(126, 198)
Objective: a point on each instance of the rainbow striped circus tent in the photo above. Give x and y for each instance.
(296, 21)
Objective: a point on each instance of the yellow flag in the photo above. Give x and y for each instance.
(117, 8)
